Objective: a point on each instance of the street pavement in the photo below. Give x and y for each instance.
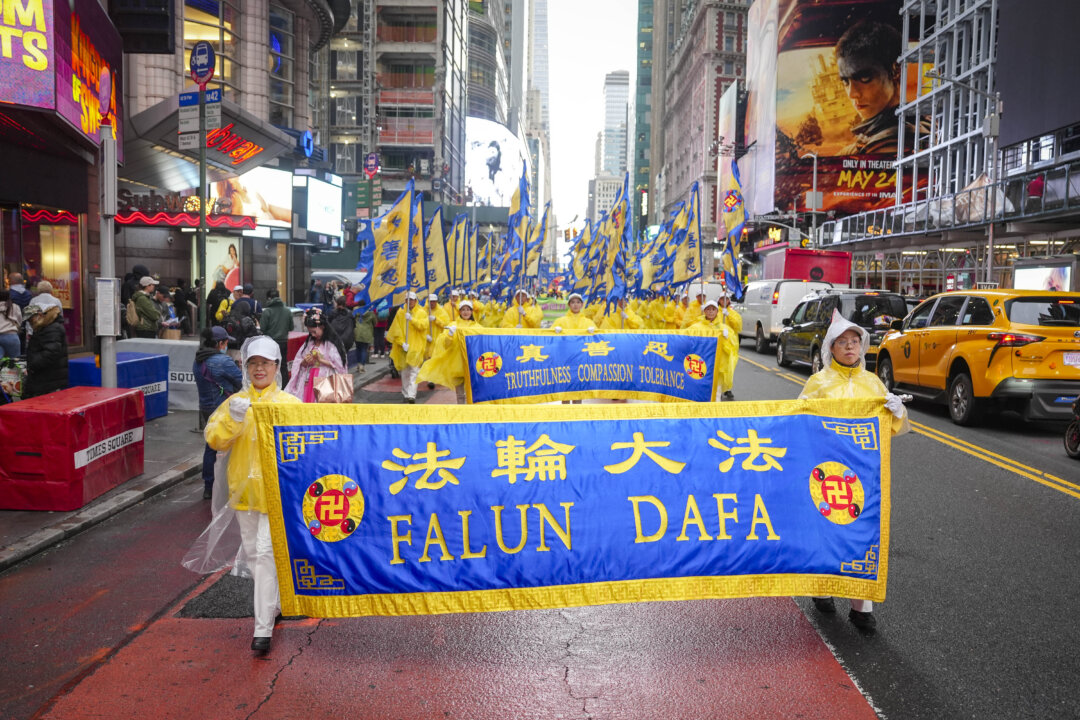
(106, 624)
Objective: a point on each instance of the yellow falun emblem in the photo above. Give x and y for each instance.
(837, 492)
(333, 507)
(695, 366)
(489, 364)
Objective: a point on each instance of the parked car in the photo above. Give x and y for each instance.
(804, 330)
(995, 349)
(765, 305)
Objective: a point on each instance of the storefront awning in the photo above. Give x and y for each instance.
(153, 156)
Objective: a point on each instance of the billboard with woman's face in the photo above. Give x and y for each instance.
(494, 161)
(833, 92)
(223, 262)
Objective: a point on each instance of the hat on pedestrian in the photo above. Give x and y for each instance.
(454, 293)
(249, 288)
(411, 296)
(572, 296)
(261, 346)
(465, 303)
(220, 334)
(147, 281)
(710, 302)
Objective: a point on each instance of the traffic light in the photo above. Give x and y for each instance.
(566, 234)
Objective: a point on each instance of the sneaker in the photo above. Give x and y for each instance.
(410, 401)
(824, 604)
(864, 621)
(431, 386)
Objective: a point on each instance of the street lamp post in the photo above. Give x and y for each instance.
(815, 206)
(990, 130)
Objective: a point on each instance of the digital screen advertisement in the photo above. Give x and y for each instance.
(263, 193)
(494, 161)
(323, 208)
(52, 57)
(1055, 278)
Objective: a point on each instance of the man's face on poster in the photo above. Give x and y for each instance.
(870, 87)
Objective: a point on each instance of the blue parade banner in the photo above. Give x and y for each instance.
(526, 366)
(483, 508)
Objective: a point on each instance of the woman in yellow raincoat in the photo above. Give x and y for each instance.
(447, 364)
(438, 319)
(574, 319)
(523, 313)
(622, 318)
(408, 333)
(232, 428)
(844, 375)
(711, 322)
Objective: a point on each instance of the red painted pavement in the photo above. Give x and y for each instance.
(754, 658)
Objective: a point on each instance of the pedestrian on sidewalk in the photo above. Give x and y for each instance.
(46, 352)
(11, 320)
(217, 377)
(146, 308)
(321, 354)
(364, 333)
(844, 375)
(231, 428)
(276, 322)
(382, 322)
(341, 318)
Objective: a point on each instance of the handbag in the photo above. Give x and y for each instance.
(335, 388)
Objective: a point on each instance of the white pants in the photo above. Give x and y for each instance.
(408, 381)
(255, 535)
(862, 605)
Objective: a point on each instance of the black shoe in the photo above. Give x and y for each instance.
(864, 621)
(824, 604)
(207, 493)
(728, 395)
(431, 386)
(260, 645)
(410, 401)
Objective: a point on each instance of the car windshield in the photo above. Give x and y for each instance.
(1057, 312)
(874, 311)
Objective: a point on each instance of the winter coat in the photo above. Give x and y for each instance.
(276, 320)
(345, 326)
(365, 328)
(216, 376)
(245, 472)
(149, 315)
(46, 354)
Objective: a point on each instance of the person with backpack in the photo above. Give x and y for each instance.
(147, 316)
(217, 377)
(344, 325)
(213, 300)
(224, 308)
(241, 325)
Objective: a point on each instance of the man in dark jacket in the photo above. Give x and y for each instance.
(217, 377)
(19, 294)
(46, 352)
(276, 322)
(213, 300)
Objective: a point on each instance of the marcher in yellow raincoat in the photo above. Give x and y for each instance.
(733, 320)
(574, 319)
(712, 323)
(523, 313)
(447, 363)
(844, 375)
(232, 428)
(622, 318)
(438, 319)
(694, 310)
(408, 333)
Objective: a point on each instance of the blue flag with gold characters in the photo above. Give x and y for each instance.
(434, 509)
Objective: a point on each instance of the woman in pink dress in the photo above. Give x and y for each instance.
(321, 354)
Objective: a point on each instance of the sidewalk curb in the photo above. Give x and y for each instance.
(86, 518)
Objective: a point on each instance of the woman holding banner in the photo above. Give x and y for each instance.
(574, 319)
(231, 429)
(844, 375)
(447, 364)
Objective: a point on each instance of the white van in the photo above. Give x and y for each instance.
(350, 277)
(765, 305)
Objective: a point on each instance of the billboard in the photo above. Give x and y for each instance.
(494, 161)
(826, 81)
(323, 208)
(263, 193)
(53, 53)
(223, 262)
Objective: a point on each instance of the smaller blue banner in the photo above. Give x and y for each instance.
(642, 365)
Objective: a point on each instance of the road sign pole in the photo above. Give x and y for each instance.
(203, 193)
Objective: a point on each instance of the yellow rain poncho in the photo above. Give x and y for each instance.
(438, 319)
(839, 381)
(446, 366)
(615, 320)
(527, 316)
(415, 335)
(574, 321)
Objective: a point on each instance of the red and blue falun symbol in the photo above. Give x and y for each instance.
(333, 507)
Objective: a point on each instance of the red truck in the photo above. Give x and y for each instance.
(790, 263)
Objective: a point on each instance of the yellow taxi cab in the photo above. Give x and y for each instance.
(988, 349)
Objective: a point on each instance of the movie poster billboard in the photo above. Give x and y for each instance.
(263, 193)
(836, 91)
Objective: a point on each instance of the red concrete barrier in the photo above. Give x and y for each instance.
(61, 450)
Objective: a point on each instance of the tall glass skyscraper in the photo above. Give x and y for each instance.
(616, 120)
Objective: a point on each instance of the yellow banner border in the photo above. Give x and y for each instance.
(267, 416)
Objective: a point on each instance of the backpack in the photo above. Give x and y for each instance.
(240, 327)
(131, 314)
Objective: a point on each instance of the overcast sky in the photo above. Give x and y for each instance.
(586, 40)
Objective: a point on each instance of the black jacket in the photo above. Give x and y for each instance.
(344, 324)
(46, 355)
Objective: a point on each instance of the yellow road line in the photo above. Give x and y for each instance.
(1043, 478)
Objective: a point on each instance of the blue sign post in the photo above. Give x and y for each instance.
(202, 63)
